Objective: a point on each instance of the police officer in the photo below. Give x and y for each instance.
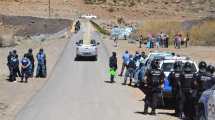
(203, 80)
(14, 68)
(15, 55)
(10, 55)
(30, 56)
(210, 70)
(113, 66)
(186, 86)
(174, 79)
(25, 68)
(41, 67)
(130, 69)
(154, 80)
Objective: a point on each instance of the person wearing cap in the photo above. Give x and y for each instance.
(125, 62)
(30, 56)
(41, 67)
(113, 66)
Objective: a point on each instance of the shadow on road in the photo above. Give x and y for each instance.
(165, 113)
(85, 59)
(109, 82)
(139, 112)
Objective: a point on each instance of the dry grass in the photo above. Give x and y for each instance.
(201, 34)
(204, 34)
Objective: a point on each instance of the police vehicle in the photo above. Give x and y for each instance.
(87, 49)
(167, 66)
(207, 102)
(151, 57)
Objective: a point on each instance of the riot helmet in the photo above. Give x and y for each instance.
(155, 64)
(202, 66)
(187, 67)
(210, 69)
(177, 66)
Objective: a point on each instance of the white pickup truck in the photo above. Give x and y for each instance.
(87, 49)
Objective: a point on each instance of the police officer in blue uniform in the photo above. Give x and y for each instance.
(14, 68)
(25, 68)
(186, 86)
(41, 67)
(154, 81)
(174, 79)
(203, 80)
(30, 56)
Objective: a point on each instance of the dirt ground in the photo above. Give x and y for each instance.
(15, 95)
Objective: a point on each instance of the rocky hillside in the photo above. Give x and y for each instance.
(163, 7)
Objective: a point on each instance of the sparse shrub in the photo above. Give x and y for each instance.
(203, 34)
(120, 20)
(132, 3)
(111, 9)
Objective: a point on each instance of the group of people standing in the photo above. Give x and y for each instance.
(24, 68)
(162, 40)
(131, 63)
(187, 85)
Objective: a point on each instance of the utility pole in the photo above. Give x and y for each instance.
(49, 8)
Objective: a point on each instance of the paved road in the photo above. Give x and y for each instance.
(77, 91)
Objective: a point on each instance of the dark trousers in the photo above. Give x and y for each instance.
(186, 104)
(122, 69)
(176, 95)
(152, 98)
(25, 74)
(14, 72)
(111, 78)
(41, 71)
(32, 71)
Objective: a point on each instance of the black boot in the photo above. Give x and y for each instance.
(153, 112)
(145, 111)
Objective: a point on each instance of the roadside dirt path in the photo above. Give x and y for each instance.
(15, 95)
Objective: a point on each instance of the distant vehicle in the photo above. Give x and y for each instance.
(89, 16)
(207, 103)
(87, 49)
(167, 65)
